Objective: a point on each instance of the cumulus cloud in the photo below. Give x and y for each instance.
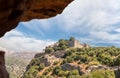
(96, 22)
(99, 19)
(15, 40)
(96, 14)
(105, 36)
(117, 30)
(93, 21)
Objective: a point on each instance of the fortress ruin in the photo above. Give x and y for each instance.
(76, 44)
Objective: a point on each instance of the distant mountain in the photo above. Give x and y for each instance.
(16, 62)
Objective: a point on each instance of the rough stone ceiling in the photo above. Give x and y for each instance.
(14, 11)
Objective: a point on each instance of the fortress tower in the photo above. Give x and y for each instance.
(76, 44)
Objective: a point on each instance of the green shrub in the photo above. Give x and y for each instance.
(56, 70)
(31, 73)
(100, 74)
(55, 63)
(74, 72)
(49, 50)
(63, 44)
(69, 60)
(117, 61)
(41, 66)
(104, 59)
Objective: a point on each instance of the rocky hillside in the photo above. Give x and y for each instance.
(62, 61)
(16, 62)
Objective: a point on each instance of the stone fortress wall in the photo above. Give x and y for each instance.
(76, 44)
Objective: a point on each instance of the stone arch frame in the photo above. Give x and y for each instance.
(14, 11)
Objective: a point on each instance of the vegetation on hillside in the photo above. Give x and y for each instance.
(99, 74)
(103, 55)
(63, 44)
(79, 57)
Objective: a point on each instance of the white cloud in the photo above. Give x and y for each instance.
(14, 33)
(117, 30)
(102, 13)
(15, 40)
(105, 36)
(97, 20)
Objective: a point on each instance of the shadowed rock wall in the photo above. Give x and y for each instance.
(117, 73)
(3, 71)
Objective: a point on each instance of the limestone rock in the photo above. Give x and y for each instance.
(68, 66)
(3, 71)
(117, 73)
(14, 11)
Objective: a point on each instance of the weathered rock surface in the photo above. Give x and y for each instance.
(117, 73)
(3, 71)
(14, 11)
(68, 66)
(16, 62)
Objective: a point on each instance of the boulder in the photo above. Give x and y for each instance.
(68, 66)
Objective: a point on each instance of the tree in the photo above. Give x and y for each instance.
(104, 59)
(56, 62)
(71, 39)
(69, 59)
(31, 73)
(62, 73)
(68, 53)
(56, 70)
(117, 61)
(63, 44)
(49, 50)
(42, 66)
(83, 58)
(74, 72)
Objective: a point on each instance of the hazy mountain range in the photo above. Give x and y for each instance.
(16, 62)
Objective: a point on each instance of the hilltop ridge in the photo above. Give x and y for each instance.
(60, 60)
(63, 44)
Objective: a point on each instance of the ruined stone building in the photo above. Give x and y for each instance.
(76, 44)
(72, 44)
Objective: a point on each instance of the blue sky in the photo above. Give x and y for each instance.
(96, 22)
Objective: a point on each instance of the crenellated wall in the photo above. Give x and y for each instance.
(76, 44)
